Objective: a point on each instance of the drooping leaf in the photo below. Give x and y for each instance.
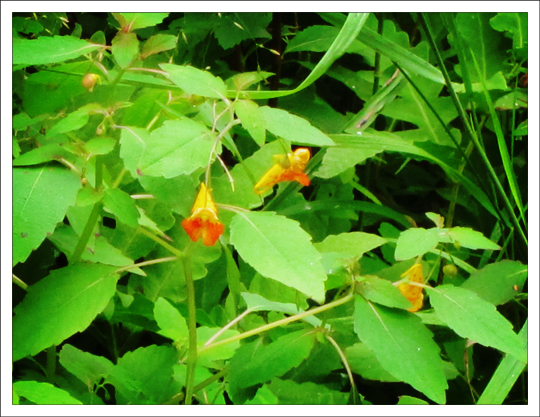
(195, 81)
(279, 249)
(122, 206)
(497, 282)
(41, 197)
(178, 147)
(50, 50)
(87, 367)
(381, 291)
(43, 393)
(61, 304)
(473, 318)
(403, 346)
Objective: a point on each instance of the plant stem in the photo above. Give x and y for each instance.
(85, 236)
(192, 326)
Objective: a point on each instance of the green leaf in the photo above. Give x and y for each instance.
(172, 324)
(350, 245)
(279, 249)
(269, 361)
(177, 147)
(406, 400)
(125, 48)
(467, 238)
(50, 50)
(145, 376)
(75, 120)
(403, 346)
(122, 206)
(252, 120)
(363, 362)
(158, 43)
(41, 197)
(85, 366)
(139, 20)
(495, 282)
(233, 28)
(45, 153)
(415, 241)
(263, 397)
(43, 393)
(195, 81)
(381, 291)
(308, 393)
(473, 318)
(100, 146)
(173, 191)
(60, 305)
(515, 23)
(219, 353)
(293, 128)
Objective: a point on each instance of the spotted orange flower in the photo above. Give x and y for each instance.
(288, 167)
(413, 293)
(204, 221)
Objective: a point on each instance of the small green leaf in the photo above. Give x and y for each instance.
(195, 81)
(293, 128)
(41, 197)
(279, 249)
(45, 153)
(415, 241)
(473, 318)
(60, 305)
(363, 362)
(74, 121)
(158, 43)
(125, 48)
(100, 146)
(249, 114)
(495, 282)
(381, 291)
(208, 357)
(139, 20)
(350, 245)
(177, 147)
(468, 238)
(85, 366)
(403, 346)
(122, 206)
(290, 392)
(43, 393)
(406, 400)
(50, 50)
(170, 321)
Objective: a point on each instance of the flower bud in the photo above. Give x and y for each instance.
(89, 81)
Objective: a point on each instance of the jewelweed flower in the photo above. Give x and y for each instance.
(288, 167)
(413, 293)
(204, 221)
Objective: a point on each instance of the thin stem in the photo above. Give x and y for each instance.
(146, 263)
(343, 359)
(228, 326)
(145, 232)
(16, 280)
(192, 327)
(87, 232)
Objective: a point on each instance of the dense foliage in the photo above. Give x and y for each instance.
(156, 261)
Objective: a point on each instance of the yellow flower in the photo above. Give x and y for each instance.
(413, 293)
(288, 167)
(204, 221)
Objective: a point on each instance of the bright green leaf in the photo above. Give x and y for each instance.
(381, 291)
(350, 245)
(43, 393)
(467, 238)
(290, 392)
(122, 206)
(87, 367)
(158, 43)
(363, 362)
(139, 20)
(249, 114)
(172, 324)
(414, 242)
(195, 81)
(125, 48)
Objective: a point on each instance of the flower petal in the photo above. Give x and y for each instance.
(413, 293)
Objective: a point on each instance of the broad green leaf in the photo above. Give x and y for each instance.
(122, 206)
(350, 245)
(263, 397)
(41, 197)
(87, 367)
(60, 305)
(407, 400)
(244, 80)
(467, 238)
(515, 23)
(145, 376)
(75, 120)
(272, 360)
(415, 241)
(363, 362)
(195, 81)
(158, 43)
(219, 353)
(177, 147)
(100, 146)
(293, 128)
(45, 153)
(289, 392)
(50, 50)
(172, 324)
(279, 249)
(496, 282)
(257, 303)
(252, 120)
(233, 28)
(43, 393)
(139, 20)
(403, 346)
(125, 48)
(173, 191)
(473, 318)
(381, 291)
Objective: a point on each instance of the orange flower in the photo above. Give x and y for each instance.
(288, 167)
(413, 293)
(204, 220)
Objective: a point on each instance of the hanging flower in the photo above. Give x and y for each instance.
(288, 167)
(413, 293)
(204, 220)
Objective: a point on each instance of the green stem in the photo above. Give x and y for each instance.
(192, 326)
(85, 236)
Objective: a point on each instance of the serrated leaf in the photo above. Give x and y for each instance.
(415, 241)
(381, 291)
(195, 81)
(49, 50)
(403, 346)
(496, 282)
(473, 318)
(85, 366)
(61, 304)
(279, 249)
(293, 128)
(172, 324)
(158, 43)
(177, 147)
(515, 23)
(41, 197)
(307, 393)
(43, 393)
(122, 206)
(467, 238)
(350, 245)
